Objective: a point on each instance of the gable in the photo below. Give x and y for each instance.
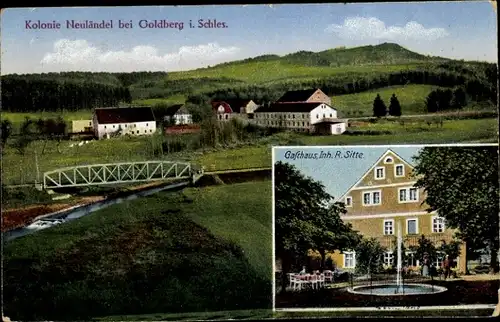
(368, 179)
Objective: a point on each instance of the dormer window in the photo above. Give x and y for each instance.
(379, 173)
(388, 160)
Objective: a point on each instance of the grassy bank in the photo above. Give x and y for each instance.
(163, 253)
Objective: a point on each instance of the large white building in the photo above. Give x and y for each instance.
(108, 122)
(302, 117)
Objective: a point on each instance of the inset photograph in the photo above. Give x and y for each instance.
(387, 227)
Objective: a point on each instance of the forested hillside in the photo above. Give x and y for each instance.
(337, 71)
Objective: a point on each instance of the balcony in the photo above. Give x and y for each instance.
(389, 241)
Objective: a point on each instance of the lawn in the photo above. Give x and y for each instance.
(175, 99)
(411, 98)
(171, 252)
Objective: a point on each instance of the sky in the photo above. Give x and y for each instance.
(339, 174)
(461, 30)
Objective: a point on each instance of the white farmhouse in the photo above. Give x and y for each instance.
(178, 115)
(120, 121)
(303, 117)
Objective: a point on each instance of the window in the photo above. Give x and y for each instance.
(220, 117)
(408, 195)
(379, 173)
(137, 132)
(411, 259)
(145, 131)
(371, 198)
(348, 201)
(302, 123)
(125, 125)
(399, 170)
(104, 126)
(317, 116)
(90, 123)
(113, 126)
(389, 227)
(146, 124)
(226, 116)
(293, 115)
(331, 115)
(388, 160)
(412, 226)
(150, 131)
(349, 259)
(437, 224)
(389, 258)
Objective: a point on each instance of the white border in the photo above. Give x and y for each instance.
(351, 309)
(432, 225)
(273, 149)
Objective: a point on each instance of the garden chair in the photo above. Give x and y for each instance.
(296, 283)
(328, 276)
(321, 280)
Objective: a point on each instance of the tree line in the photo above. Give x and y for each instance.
(31, 94)
(478, 89)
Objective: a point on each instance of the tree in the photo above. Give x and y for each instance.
(459, 99)
(379, 108)
(394, 106)
(26, 136)
(452, 249)
(424, 247)
(301, 211)
(431, 102)
(369, 256)
(6, 131)
(462, 186)
(333, 233)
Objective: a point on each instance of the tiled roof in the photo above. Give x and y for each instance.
(124, 115)
(288, 107)
(297, 96)
(227, 107)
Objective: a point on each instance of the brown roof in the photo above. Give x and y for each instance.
(288, 107)
(124, 115)
(297, 96)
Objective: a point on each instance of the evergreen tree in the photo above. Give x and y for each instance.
(379, 108)
(459, 99)
(394, 106)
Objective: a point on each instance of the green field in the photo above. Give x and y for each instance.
(267, 72)
(411, 98)
(170, 252)
(21, 169)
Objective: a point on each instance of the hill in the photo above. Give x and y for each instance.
(336, 71)
(167, 252)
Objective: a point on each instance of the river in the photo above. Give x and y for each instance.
(60, 217)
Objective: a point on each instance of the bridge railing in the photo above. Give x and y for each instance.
(113, 173)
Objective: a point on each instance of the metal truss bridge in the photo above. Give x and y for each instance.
(115, 173)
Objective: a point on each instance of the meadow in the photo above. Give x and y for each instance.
(171, 252)
(21, 169)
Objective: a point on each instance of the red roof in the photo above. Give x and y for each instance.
(227, 107)
(124, 115)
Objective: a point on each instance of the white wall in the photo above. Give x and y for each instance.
(138, 128)
(321, 112)
(338, 128)
(183, 119)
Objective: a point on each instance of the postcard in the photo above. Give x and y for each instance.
(137, 151)
(377, 229)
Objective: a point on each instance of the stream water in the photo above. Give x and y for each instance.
(51, 220)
